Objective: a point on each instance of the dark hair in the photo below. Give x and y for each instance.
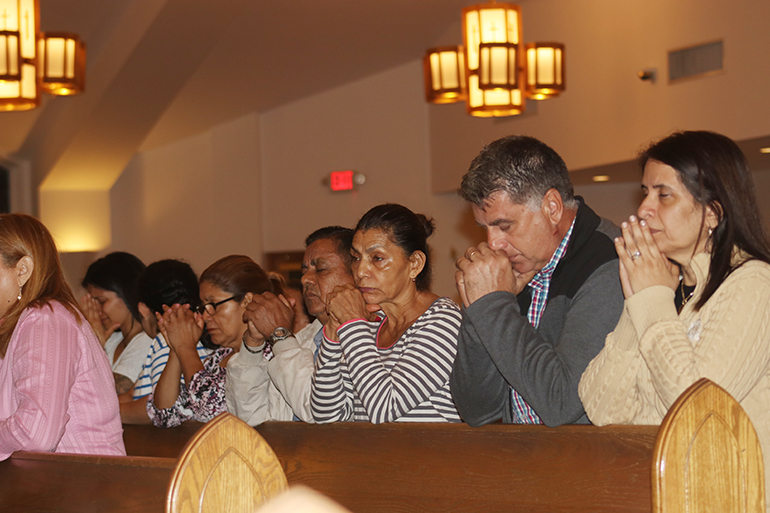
(342, 238)
(168, 282)
(521, 166)
(714, 170)
(22, 235)
(407, 230)
(239, 275)
(117, 272)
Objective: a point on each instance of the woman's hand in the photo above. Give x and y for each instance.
(93, 312)
(181, 327)
(346, 303)
(331, 327)
(642, 264)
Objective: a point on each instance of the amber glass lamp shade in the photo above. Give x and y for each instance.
(19, 88)
(444, 74)
(545, 70)
(62, 63)
(492, 37)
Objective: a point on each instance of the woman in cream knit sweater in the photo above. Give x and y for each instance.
(695, 274)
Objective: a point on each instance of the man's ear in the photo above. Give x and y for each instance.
(24, 268)
(247, 299)
(416, 264)
(553, 206)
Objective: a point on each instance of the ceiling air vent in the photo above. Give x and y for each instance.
(695, 61)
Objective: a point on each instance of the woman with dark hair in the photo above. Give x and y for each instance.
(55, 383)
(112, 307)
(695, 270)
(387, 353)
(226, 288)
(166, 282)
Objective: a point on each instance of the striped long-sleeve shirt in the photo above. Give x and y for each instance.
(155, 362)
(406, 382)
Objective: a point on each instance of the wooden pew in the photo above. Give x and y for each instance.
(453, 467)
(420, 468)
(64, 483)
(148, 440)
(366, 468)
(404, 467)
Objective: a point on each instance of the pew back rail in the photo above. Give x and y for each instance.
(74, 483)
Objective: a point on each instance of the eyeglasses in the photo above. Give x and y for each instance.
(211, 308)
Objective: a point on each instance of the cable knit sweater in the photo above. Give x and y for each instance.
(654, 354)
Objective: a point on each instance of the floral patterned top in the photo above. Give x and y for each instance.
(203, 400)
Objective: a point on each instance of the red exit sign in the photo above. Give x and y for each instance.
(341, 180)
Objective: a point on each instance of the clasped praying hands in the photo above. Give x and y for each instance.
(265, 313)
(180, 326)
(642, 264)
(345, 303)
(484, 270)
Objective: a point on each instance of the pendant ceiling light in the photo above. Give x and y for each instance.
(498, 73)
(545, 70)
(28, 64)
(62, 63)
(491, 35)
(445, 74)
(18, 40)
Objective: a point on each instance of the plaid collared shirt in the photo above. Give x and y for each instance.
(522, 413)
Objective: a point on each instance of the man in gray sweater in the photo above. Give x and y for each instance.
(540, 295)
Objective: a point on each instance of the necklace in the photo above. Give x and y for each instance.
(685, 296)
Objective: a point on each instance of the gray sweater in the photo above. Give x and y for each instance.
(498, 348)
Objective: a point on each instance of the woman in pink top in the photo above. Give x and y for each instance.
(56, 388)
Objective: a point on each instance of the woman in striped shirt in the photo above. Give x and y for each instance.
(390, 343)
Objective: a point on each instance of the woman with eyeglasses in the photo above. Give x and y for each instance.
(226, 288)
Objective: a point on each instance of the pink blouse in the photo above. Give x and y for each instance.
(57, 392)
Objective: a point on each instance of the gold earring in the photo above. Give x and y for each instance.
(19, 296)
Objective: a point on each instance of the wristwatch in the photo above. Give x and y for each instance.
(279, 333)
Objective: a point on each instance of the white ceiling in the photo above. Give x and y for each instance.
(161, 70)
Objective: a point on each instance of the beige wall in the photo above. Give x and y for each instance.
(254, 184)
(378, 127)
(198, 199)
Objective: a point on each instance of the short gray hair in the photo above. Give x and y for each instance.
(521, 166)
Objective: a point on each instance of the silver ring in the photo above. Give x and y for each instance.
(636, 255)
